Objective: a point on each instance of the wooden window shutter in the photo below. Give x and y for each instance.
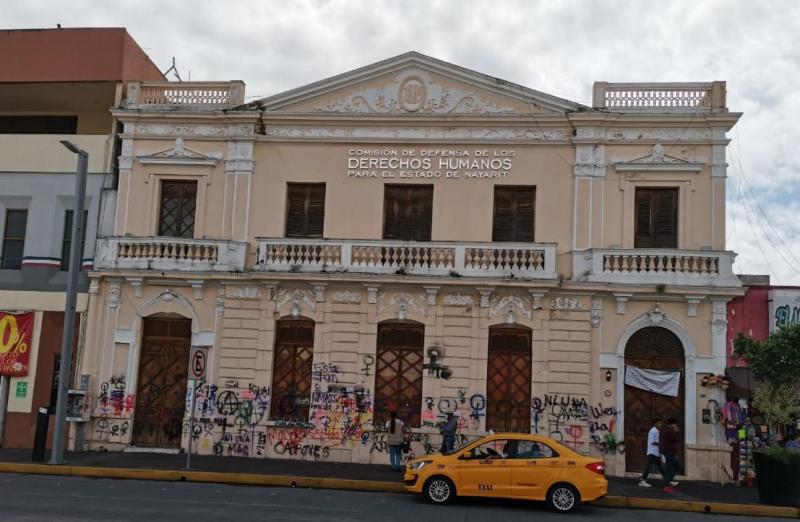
(666, 219)
(407, 213)
(305, 209)
(514, 214)
(644, 230)
(656, 218)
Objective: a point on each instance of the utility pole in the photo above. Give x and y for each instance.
(75, 252)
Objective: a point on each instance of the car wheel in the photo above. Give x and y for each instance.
(439, 490)
(563, 498)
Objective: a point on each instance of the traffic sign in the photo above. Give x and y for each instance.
(198, 362)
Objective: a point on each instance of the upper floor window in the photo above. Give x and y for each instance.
(514, 213)
(38, 124)
(407, 212)
(178, 206)
(67, 242)
(656, 218)
(305, 209)
(14, 239)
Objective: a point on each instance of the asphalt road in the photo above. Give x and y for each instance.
(37, 497)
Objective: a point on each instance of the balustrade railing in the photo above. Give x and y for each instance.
(168, 253)
(648, 266)
(659, 97)
(398, 257)
(187, 94)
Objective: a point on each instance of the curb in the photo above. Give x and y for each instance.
(253, 479)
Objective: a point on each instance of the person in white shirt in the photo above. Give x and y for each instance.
(653, 453)
(394, 439)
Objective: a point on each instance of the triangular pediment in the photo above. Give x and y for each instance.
(657, 160)
(178, 155)
(413, 83)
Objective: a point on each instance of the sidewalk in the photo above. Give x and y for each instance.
(623, 492)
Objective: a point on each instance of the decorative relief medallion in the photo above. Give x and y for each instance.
(246, 292)
(458, 300)
(403, 302)
(655, 316)
(510, 306)
(347, 297)
(566, 303)
(412, 94)
(299, 299)
(597, 311)
(719, 317)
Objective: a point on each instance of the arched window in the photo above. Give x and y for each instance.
(291, 370)
(398, 372)
(508, 380)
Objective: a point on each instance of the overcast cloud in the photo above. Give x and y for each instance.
(559, 47)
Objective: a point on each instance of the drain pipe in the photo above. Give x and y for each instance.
(5, 384)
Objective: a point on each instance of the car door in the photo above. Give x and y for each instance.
(534, 467)
(484, 472)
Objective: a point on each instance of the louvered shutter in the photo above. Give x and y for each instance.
(407, 213)
(514, 214)
(666, 219)
(656, 218)
(391, 207)
(305, 209)
(315, 210)
(503, 225)
(644, 230)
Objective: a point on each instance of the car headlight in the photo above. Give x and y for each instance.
(416, 466)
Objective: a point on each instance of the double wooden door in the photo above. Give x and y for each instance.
(398, 373)
(161, 389)
(508, 383)
(657, 349)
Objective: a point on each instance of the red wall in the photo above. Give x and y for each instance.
(749, 315)
(73, 55)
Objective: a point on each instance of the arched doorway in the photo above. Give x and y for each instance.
(508, 379)
(161, 384)
(398, 372)
(652, 348)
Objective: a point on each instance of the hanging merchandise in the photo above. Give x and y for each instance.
(656, 381)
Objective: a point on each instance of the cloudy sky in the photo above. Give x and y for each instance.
(559, 47)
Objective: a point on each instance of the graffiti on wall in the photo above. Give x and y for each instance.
(572, 421)
(113, 400)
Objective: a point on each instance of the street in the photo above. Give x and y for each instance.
(38, 497)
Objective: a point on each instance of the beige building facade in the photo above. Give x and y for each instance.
(418, 237)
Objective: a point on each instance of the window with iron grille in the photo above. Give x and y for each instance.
(14, 239)
(656, 218)
(305, 209)
(398, 373)
(407, 212)
(508, 380)
(67, 242)
(178, 206)
(291, 370)
(514, 214)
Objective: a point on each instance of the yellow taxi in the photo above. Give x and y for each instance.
(509, 465)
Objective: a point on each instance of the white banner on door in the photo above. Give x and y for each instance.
(656, 381)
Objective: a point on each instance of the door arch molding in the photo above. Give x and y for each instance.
(656, 317)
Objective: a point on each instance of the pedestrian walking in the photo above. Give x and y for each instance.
(669, 438)
(394, 439)
(449, 433)
(653, 453)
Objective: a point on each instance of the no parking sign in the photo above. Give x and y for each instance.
(198, 362)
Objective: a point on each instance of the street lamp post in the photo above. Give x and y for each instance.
(75, 254)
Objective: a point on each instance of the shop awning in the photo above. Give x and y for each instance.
(741, 383)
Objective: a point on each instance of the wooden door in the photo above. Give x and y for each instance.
(508, 382)
(398, 373)
(161, 388)
(291, 370)
(657, 349)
